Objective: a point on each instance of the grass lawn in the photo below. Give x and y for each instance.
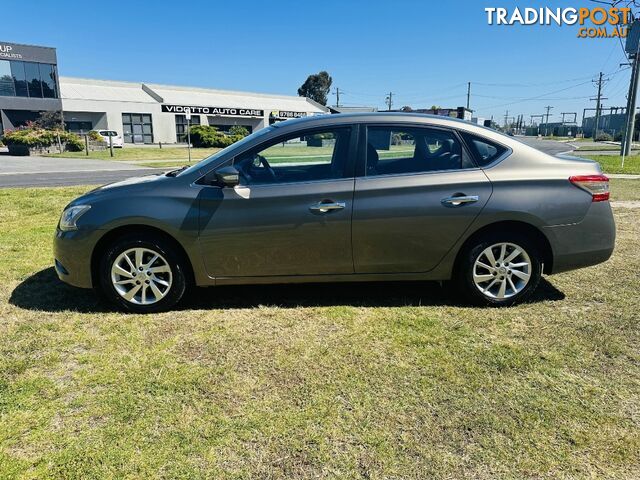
(331, 381)
(142, 153)
(611, 163)
(624, 189)
(602, 148)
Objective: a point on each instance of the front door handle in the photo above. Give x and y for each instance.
(458, 201)
(325, 207)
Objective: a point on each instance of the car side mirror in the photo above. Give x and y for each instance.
(228, 176)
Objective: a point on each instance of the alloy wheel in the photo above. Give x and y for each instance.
(141, 276)
(502, 270)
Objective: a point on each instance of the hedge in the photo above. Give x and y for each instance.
(38, 138)
(205, 136)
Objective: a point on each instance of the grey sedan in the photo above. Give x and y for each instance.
(340, 198)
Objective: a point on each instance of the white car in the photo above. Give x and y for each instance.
(115, 138)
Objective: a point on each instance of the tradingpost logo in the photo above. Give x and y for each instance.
(596, 22)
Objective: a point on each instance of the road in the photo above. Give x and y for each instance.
(551, 147)
(54, 172)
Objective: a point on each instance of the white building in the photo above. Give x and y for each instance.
(151, 113)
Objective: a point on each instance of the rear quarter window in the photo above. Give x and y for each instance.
(484, 151)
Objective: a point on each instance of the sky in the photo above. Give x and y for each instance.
(424, 52)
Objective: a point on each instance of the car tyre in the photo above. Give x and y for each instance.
(142, 273)
(499, 269)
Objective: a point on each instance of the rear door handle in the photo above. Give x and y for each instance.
(458, 201)
(325, 207)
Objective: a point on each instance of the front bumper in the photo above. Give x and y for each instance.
(588, 242)
(72, 252)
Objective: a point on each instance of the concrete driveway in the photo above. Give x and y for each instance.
(41, 171)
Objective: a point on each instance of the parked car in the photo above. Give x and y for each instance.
(115, 138)
(450, 201)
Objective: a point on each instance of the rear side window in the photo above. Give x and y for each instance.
(483, 150)
(402, 150)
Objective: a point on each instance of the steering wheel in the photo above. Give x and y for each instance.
(267, 167)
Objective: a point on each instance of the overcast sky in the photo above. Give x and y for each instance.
(423, 51)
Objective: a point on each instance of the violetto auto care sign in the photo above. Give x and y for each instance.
(224, 111)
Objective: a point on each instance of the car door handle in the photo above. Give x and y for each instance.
(324, 207)
(458, 201)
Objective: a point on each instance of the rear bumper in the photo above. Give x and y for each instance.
(588, 242)
(72, 256)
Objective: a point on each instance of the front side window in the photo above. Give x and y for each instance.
(303, 157)
(399, 150)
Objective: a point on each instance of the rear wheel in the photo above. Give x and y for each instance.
(142, 274)
(499, 270)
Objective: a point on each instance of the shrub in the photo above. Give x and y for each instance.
(71, 142)
(34, 138)
(238, 130)
(603, 137)
(205, 136)
(95, 136)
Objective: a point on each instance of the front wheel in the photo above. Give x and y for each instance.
(499, 270)
(142, 274)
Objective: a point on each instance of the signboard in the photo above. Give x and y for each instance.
(28, 53)
(224, 111)
(288, 114)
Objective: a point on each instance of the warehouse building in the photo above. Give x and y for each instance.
(141, 112)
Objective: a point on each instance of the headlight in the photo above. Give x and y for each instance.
(71, 215)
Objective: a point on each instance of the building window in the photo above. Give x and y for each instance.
(48, 80)
(137, 127)
(32, 70)
(181, 126)
(19, 79)
(78, 127)
(6, 80)
(28, 79)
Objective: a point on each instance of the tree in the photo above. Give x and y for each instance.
(49, 120)
(316, 87)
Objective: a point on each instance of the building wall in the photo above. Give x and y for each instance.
(103, 103)
(108, 114)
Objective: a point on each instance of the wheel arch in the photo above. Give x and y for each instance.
(540, 239)
(112, 235)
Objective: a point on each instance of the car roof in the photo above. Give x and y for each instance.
(391, 117)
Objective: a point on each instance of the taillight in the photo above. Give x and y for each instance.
(596, 185)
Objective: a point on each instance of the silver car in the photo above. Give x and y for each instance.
(342, 198)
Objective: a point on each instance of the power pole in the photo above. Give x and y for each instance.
(389, 100)
(627, 138)
(506, 117)
(337, 97)
(598, 99)
(546, 123)
(468, 94)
